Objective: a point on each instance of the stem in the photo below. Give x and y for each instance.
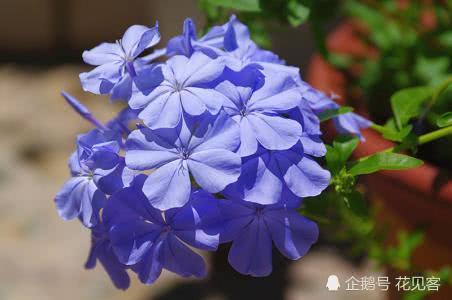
(434, 135)
(436, 93)
(423, 139)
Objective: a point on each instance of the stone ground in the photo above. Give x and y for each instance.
(41, 256)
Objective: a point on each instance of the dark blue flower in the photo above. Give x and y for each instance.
(101, 250)
(149, 240)
(203, 148)
(253, 229)
(118, 63)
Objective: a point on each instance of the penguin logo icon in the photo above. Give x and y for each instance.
(333, 283)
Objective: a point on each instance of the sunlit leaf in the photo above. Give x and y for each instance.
(444, 120)
(407, 103)
(332, 113)
(384, 161)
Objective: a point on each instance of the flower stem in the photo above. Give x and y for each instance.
(434, 135)
(429, 137)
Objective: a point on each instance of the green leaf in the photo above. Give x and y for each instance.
(332, 113)
(384, 161)
(340, 151)
(445, 39)
(345, 146)
(432, 70)
(390, 131)
(242, 5)
(407, 103)
(444, 120)
(297, 13)
(356, 203)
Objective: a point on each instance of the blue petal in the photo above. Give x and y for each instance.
(150, 268)
(103, 54)
(178, 258)
(130, 204)
(221, 134)
(292, 233)
(351, 123)
(251, 251)
(197, 100)
(79, 197)
(313, 145)
(248, 139)
(201, 69)
(112, 180)
(163, 112)
(182, 45)
(149, 78)
(147, 150)
(122, 90)
(274, 132)
(236, 217)
(137, 38)
(213, 170)
(102, 79)
(305, 178)
(169, 186)
(199, 222)
(276, 95)
(259, 182)
(132, 241)
(101, 250)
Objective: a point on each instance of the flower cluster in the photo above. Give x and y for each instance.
(223, 149)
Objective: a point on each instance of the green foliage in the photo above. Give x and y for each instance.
(384, 161)
(332, 113)
(413, 65)
(444, 120)
(339, 152)
(297, 13)
(399, 256)
(241, 5)
(407, 103)
(259, 13)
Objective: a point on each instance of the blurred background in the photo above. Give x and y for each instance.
(41, 256)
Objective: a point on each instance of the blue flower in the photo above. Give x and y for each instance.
(109, 170)
(101, 250)
(258, 112)
(79, 196)
(213, 43)
(253, 228)
(182, 90)
(96, 170)
(267, 173)
(203, 148)
(149, 241)
(118, 63)
(348, 123)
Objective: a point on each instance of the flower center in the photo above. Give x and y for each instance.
(166, 229)
(259, 211)
(178, 86)
(184, 154)
(243, 112)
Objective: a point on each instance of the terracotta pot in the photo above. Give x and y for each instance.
(420, 197)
